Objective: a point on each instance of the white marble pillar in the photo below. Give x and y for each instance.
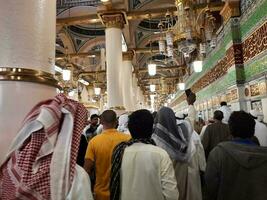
(139, 97)
(134, 93)
(127, 81)
(27, 32)
(114, 25)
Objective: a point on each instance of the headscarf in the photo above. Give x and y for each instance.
(123, 123)
(173, 137)
(42, 158)
(116, 165)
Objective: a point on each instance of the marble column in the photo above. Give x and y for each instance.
(127, 81)
(134, 93)
(27, 58)
(114, 24)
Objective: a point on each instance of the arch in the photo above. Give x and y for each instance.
(77, 11)
(100, 40)
(67, 41)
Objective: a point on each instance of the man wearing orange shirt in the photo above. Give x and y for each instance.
(99, 153)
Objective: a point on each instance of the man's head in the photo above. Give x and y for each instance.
(218, 115)
(141, 124)
(108, 119)
(223, 103)
(94, 119)
(241, 124)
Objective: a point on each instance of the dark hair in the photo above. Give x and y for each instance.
(108, 117)
(223, 103)
(218, 115)
(241, 124)
(141, 124)
(94, 116)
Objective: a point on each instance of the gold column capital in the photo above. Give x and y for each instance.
(117, 108)
(113, 19)
(230, 9)
(127, 55)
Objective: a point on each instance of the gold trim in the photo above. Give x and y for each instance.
(86, 105)
(117, 108)
(28, 75)
(113, 19)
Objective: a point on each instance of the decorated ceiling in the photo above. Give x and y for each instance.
(81, 44)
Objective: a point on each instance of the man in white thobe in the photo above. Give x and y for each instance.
(145, 171)
(226, 112)
(260, 128)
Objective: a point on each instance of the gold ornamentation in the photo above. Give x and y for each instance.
(28, 75)
(113, 19)
(230, 9)
(117, 108)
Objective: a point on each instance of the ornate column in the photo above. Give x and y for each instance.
(114, 22)
(127, 81)
(230, 14)
(27, 59)
(231, 9)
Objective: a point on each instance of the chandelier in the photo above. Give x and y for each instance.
(191, 29)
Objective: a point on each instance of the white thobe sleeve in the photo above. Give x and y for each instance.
(168, 180)
(81, 186)
(192, 115)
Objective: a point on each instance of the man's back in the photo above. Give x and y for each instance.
(213, 135)
(237, 171)
(226, 113)
(99, 151)
(147, 174)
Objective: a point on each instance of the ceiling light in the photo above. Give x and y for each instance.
(83, 81)
(152, 69)
(97, 91)
(198, 66)
(181, 86)
(104, 0)
(152, 88)
(58, 69)
(66, 73)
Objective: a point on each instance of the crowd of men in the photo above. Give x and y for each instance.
(137, 156)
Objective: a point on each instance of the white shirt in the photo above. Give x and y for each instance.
(261, 133)
(81, 186)
(226, 113)
(192, 114)
(147, 174)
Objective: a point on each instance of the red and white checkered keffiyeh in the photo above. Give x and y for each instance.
(42, 159)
